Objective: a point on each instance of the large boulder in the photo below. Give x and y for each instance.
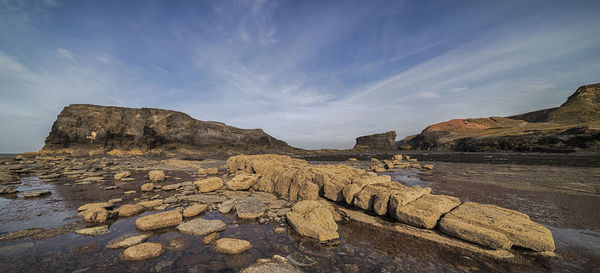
(209, 184)
(159, 220)
(496, 227)
(313, 219)
(156, 176)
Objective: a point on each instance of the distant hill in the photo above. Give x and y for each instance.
(572, 126)
(84, 127)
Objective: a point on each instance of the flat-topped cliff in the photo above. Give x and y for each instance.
(107, 128)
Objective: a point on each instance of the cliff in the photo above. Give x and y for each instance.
(376, 142)
(108, 128)
(571, 127)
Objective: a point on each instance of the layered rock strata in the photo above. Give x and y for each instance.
(296, 180)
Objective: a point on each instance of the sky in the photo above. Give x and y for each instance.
(316, 74)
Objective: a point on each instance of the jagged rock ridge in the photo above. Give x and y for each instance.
(105, 128)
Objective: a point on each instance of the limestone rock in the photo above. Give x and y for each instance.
(93, 231)
(201, 227)
(156, 176)
(97, 214)
(496, 227)
(402, 197)
(147, 187)
(36, 194)
(426, 211)
(212, 171)
(159, 220)
(128, 210)
(232, 246)
(194, 210)
(121, 175)
(242, 182)
(250, 208)
(143, 251)
(201, 171)
(226, 206)
(313, 219)
(151, 203)
(94, 205)
(209, 184)
(127, 241)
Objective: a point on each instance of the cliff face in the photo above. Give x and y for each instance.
(105, 128)
(377, 142)
(570, 127)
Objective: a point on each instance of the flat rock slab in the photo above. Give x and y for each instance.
(36, 194)
(143, 251)
(151, 203)
(313, 219)
(426, 211)
(227, 206)
(232, 246)
(496, 227)
(250, 208)
(130, 210)
(271, 267)
(93, 231)
(242, 182)
(209, 184)
(194, 210)
(127, 241)
(205, 198)
(201, 227)
(95, 205)
(159, 220)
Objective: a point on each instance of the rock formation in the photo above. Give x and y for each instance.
(573, 126)
(377, 142)
(297, 180)
(119, 129)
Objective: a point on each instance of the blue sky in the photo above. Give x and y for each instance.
(316, 74)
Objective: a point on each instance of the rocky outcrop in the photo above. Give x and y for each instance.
(119, 129)
(377, 142)
(297, 180)
(573, 126)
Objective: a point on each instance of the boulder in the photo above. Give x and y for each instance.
(212, 171)
(399, 198)
(201, 227)
(156, 176)
(426, 211)
(143, 251)
(159, 220)
(194, 210)
(226, 206)
(127, 241)
(93, 231)
(36, 194)
(128, 210)
(201, 171)
(352, 159)
(121, 175)
(232, 246)
(250, 208)
(398, 157)
(209, 184)
(242, 182)
(313, 219)
(428, 167)
(496, 227)
(147, 187)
